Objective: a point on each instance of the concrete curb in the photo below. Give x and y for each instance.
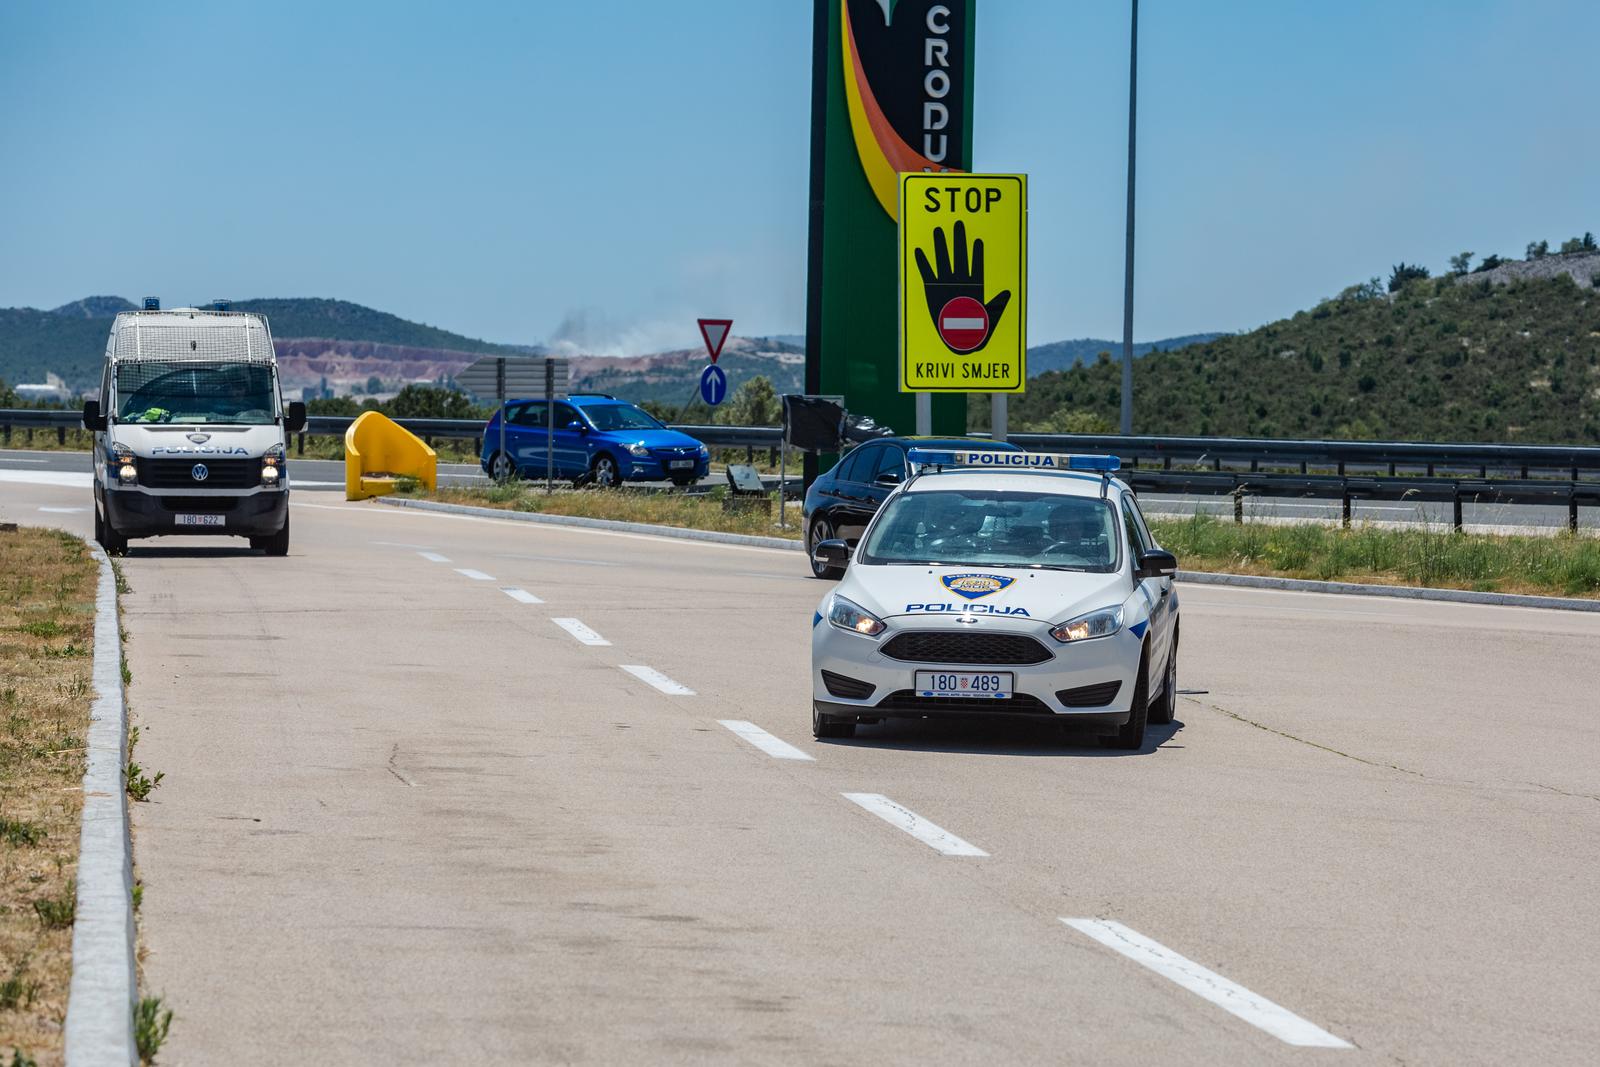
(678, 532)
(104, 990)
(1399, 592)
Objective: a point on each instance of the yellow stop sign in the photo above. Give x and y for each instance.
(963, 283)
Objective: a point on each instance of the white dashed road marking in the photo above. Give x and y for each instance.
(434, 557)
(933, 836)
(1231, 997)
(659, 680)
(62, 511)
(522, 596)
(477, 576)
(758, 737)
(580, 631)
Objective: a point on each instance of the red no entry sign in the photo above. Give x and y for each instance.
(963, 323)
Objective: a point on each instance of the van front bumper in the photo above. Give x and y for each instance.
(142, 513)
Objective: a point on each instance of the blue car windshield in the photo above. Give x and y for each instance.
(994, 528)
(620, 417)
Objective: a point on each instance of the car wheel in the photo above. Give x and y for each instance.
(1165, 709)
(683, 481)
(274, 544)
(604, 472)
(825, 726)
(821, 530)
(1131, 736)
(502, 468)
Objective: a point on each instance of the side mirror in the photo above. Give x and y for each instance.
(1157, 563)
(577, 426)
(832, 553)
(295, 419)
(92, 419)
(888, 478)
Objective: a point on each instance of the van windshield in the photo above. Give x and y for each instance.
(160, 391)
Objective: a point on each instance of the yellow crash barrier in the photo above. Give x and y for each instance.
(379, 451)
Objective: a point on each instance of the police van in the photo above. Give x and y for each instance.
(190, 429)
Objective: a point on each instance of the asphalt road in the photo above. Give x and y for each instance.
(445, 790)
(328, 475)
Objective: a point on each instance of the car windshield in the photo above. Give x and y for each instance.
(620, 417)
(994, 528)
(160, 391)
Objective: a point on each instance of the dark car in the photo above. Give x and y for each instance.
(597, 438)
(842, 502)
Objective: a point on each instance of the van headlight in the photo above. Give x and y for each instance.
(848, 615)
(1086, 627)
(123, 463)
(639, 450)
(272, 465)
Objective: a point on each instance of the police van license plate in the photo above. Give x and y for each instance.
(963, 684)
(680, 464)
(198, 520)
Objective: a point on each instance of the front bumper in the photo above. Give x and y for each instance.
(1070, 685)
(655, 469)
(139, 512)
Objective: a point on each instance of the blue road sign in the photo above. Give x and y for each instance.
(713, 385)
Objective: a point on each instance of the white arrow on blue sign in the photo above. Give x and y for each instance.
(713, 385)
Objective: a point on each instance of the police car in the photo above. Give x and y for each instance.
(1000, 583)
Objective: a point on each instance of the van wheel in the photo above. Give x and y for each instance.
(114, 543)
(274, 544)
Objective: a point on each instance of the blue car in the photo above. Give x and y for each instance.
(598, 438)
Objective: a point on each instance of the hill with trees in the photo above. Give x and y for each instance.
(1507, 352)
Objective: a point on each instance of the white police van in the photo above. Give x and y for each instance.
(190, 429)
(1000, 583)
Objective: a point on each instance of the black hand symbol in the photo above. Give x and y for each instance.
(947, 284)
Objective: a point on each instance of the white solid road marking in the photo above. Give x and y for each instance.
(63, 511)
(477, 576)
(1231, 997)
(434, 557)
(520, 595)
(12, 459)
(758, 737)
(933, 836)
(580, 631)
(963, 324)
(657, 679)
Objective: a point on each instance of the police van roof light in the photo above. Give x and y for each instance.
(152, 303)
(998, 460)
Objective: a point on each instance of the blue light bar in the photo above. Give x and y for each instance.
(998, 460)
(152, 303)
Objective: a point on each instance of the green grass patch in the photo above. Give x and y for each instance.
(1562, 565)
(698, 512)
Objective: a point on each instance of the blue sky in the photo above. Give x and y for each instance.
(608, 171)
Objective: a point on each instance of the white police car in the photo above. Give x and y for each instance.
(1000, 583)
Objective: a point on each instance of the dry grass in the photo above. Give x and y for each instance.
(47, 587)
(700, 512)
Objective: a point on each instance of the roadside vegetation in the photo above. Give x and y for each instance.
(47, 593)
(1563, 565)
(701, 511)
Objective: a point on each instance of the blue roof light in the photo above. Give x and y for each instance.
(152, 303)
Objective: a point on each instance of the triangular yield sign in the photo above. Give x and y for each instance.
(715, 331)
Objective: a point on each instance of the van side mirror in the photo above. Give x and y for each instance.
(1157, 563)
(92, 419)
(295, 420)
(831, 553)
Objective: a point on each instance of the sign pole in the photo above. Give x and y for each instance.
(783, 480)
(500, 393)
(997, 416)
(549, 424)
(924, 414)
(1127, 259)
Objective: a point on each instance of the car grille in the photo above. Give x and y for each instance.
(1090, 696)
(676, 452)
(847, 688)
(200, 504)
(220, 473)
(1017, 704)
(943, 646)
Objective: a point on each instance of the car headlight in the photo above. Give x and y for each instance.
(1086, 627)
(639, 450)
(847, 615)
(705, 453)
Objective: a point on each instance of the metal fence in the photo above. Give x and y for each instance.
(1347, 471)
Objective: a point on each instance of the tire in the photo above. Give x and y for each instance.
(502, 468)
(821, 530)
(114, 543)
(274, 544)
(1165, 709)
(1130, 737)
(683, 481)
(603, 472)
(826, 726)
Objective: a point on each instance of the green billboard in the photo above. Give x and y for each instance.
(891, 92)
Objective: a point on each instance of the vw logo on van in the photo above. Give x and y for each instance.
(199, 472)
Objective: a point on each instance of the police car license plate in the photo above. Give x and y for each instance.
(964, 684)
(199, 520)
(680, 464)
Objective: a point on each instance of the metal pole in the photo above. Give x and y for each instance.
(500, 390)
(997, 416)
(549, 424)
(1127, 276)
(924, 414)
(783, 480)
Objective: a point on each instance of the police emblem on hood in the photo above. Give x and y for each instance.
(973, 586)
(199, 438)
